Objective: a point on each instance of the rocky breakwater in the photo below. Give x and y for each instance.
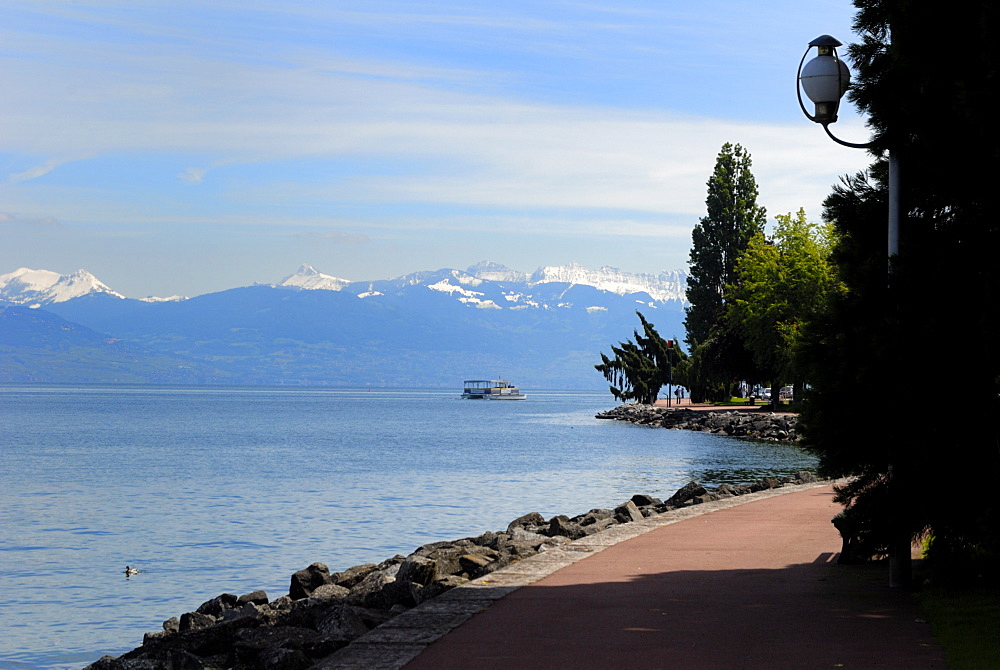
(763, 426)
(324, 611)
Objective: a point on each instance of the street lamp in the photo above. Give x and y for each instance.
(825, 79)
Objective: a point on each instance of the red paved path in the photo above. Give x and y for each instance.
(752, 586)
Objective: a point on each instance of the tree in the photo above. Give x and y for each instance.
(933, 109)
(720, 237)
(782, 283)
(639, 369)
(733, 217)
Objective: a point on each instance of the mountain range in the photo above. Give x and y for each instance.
(430, 328)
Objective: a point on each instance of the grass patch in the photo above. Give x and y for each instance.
(965, 622)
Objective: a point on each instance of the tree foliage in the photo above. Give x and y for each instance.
(733, 218)
(926, 76)
(782, 283)
(639, 369)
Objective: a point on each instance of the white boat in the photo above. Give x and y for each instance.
(491, 389)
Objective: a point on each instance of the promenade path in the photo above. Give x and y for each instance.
(741, 585)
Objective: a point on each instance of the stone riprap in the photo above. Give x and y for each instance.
(762, 426)
(325, 611)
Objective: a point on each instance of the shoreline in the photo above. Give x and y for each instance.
(743, 422)
(328, 618)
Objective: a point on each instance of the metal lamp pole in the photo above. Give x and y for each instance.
(825, 79)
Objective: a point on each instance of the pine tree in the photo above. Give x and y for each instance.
(639, 369)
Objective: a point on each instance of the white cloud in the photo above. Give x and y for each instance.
(192, 175)
(36, 171)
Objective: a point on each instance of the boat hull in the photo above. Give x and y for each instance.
(491, 389)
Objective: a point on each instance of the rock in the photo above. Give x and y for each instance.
(593, 516)
(256, 597)
(474, 564)
(279, 647)
(372, 591)
(418, 570)
(446, 560)
(686, 493)
(216, 606)
(307, 579)
(327, 591)
(521, 536)
(348, 578)
(341, 623)
(195, 620)
(754, 425)
(561, 525)
(598, 526)
(628, 512)
(530, 520)
(246, 610)
(172, 625)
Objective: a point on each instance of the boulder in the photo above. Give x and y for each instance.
(217, 605)
(328, 591)
(351, 576)
(306, 580)
(686, 493)
(373, 591)
(256, 597)
(627, 513)
(195, 620)
(474, 564)
(561, 525)
(528, 521)
(418, 570)
(341, 623)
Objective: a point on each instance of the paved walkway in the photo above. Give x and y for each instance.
(753, 585)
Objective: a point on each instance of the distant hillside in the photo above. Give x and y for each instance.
(38, 346)
(425, 329)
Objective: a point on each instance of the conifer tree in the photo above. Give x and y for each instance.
(933, 109)
(640, 369)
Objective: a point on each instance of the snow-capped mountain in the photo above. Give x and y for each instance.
(427, 328)
(662, 287)
(495, 272)
(485, 284)
(516, 286)
(39, 287)
(308, 278)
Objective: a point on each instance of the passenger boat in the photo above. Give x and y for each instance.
(491, 389)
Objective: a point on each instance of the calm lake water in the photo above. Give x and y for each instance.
(209, 490)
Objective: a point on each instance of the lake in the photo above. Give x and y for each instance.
(216, 489)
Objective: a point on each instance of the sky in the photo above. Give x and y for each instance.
(181, 148)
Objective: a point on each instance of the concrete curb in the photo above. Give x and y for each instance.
(398, 641)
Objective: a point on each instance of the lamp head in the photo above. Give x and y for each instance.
(824, 79)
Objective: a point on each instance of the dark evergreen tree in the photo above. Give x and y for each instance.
(640, 369)
(926, 76)
(733, 218)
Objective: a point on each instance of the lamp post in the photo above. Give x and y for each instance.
(825, 79)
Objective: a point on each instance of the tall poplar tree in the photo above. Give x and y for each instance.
(733, 218)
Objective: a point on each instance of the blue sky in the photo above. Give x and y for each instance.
(188, 147)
